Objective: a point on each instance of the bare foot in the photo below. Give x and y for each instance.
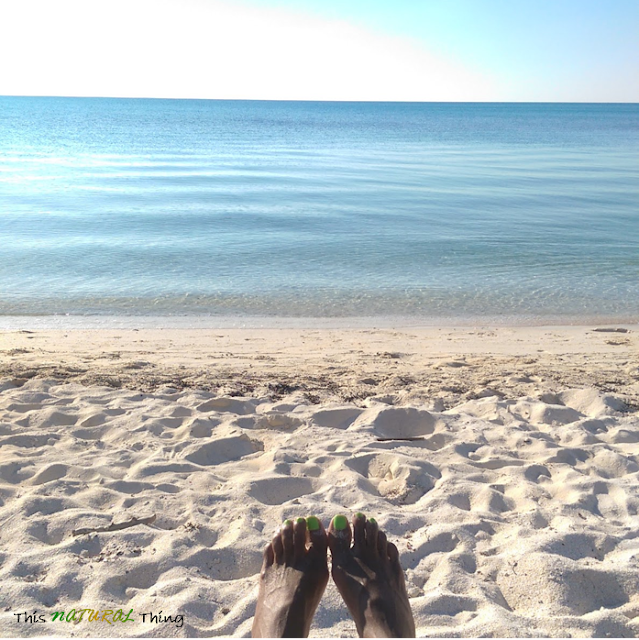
(370, 579)
(292, 580)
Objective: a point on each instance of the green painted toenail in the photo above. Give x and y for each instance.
(359, 514)
(372, 520)
(300, 520)
(312, 523)
(288, 523)
(340, 523)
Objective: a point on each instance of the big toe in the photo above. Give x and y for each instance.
(339, 536)
(316, 535)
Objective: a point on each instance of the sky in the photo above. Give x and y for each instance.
(395, 50)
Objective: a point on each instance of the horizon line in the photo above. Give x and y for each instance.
(318, 100)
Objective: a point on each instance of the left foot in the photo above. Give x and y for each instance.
(292, 581)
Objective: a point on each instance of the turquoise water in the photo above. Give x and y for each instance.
(302, 209)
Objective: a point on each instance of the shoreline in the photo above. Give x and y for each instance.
(183, 322)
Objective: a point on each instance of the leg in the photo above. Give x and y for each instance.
(292, 581)
(370, 579)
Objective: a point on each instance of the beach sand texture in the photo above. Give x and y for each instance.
(504, 463)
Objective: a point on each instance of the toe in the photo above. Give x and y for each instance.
(359, 532)
(382, 545)
(287, 541)
(393, 557)
(372, 531)
(299, 539)
(316, 534)
(269, 556)
(278, 548)
(339, 536)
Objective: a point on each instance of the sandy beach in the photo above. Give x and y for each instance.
(144, 470)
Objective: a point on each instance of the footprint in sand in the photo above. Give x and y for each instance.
(50, 473)
(222, 450)
(337, 418)
(275, 420)
(29, 440)
(396, 423)
(228, 405)
(398, 479)
(280, 490)
(554, 585)
(226, 563)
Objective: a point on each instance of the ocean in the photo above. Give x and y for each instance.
(207, 209)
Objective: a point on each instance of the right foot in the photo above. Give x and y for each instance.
(370, 579)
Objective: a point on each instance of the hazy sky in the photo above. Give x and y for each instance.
(422, 50)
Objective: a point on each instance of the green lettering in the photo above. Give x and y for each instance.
(105, 614)
(56, 614)
(72, 614)
(127, 617)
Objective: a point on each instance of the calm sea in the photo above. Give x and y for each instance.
(310, 209)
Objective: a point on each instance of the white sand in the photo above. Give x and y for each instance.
(515, 511)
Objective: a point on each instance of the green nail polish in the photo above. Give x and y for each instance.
(300, 520)
(359, 514)
(340, 523)
(372, 520)
(287, 523)
(312, 523)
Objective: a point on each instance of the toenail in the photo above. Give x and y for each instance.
(340, 523)
(359, 514)
(372, 520)
(300, 520)
(287, 523)
(312, 523)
